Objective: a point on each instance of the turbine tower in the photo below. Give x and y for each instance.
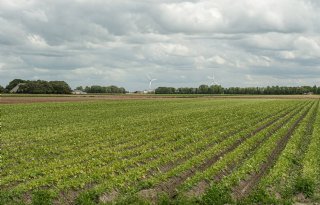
(150, 81)
(213, 82)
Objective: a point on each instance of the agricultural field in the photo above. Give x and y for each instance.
(161, 151)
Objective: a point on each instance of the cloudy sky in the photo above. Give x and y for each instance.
(104, 42)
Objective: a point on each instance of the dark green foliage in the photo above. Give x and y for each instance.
(132, 199)
(80, 88)
(271, 90)
(102, 89)
(8, 199)
(36, 87)
(13, 84)
(2, 90)
(217, 195)
(87, 198)
(259, 196)
(305, 186)
(144, 185)
(60, 87)
(187, 91)
(217, 89)
(181, 200)
(42, 197)
(40, 87)
(165, 90)
(203, 89)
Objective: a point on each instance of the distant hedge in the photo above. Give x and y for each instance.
(40, 87)
(217, 89)
(102, 89)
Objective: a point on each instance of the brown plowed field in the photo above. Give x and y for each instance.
(14, 99)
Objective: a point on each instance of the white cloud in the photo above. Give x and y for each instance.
(38, 15)
(190, 16)
(308, 45)
(287, 55)
(37, 40)
(218, 59)
(101, 42)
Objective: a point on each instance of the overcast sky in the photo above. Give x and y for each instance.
(104, 42)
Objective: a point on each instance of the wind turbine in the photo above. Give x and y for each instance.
(213, 82)
(150, 81)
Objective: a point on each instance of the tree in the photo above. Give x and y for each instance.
(80, 88)
(102, 89)
(36, 87)
(203, 89)
(2, 90)
(13, 84)
(165, 90)
(60, 87)
(40, 87)
(215, 89)
(314, 89)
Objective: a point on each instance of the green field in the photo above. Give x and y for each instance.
(206, 151)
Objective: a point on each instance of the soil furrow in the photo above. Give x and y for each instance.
(170, 165)
(201, 187)
(245, 188)
(170, 186)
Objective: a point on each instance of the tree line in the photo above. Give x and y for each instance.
(38, 87)
(55, 87)
(102, 89)
(61, 87)
(217, 89)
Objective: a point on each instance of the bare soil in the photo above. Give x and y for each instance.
(108, 197)
(22, 98)
(200, 188)
(17, 100)
(170, 165)
(170, 186)
(246, 187)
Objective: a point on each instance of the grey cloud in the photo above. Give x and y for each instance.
(245, 42)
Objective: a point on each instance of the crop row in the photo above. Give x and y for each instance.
(193, 161)
(244, 178)
(200, 163)
(234, 159)
(284, 176)
(160, 147)
(33, 172)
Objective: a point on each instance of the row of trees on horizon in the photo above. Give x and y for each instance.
(102, 89)
(37, 87)
(55, 87)
(61, 87)
(218, 89)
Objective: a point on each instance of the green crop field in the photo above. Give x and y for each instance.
(164, 151)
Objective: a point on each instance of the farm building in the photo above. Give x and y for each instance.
(78, 92)
(16, 88)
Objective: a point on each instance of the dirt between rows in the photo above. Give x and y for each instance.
(170, 186)
(18, 100)
(246, 186)
(201, 187)
(7, 99)
(168, 166)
